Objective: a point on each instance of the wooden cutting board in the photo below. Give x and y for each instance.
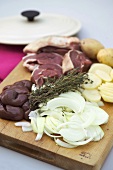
(87, 157)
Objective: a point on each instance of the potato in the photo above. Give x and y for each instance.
(99, 66)
(105, 88)
(108, 84)
(96, 82)
(91, 47)
(106, 91)
(107, 98)
(105, 56)
(103, 75)
(91, 95)
(111, 73)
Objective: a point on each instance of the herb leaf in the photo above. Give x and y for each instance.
(53, 87)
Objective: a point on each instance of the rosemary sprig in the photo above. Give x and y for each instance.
(53, 87)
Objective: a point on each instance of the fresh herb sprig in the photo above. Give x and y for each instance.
(53, 87)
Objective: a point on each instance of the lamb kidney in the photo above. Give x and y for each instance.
(11, 113)
(13, 101)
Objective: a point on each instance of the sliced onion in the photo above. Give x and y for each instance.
(63, 144)
(75, 124)
(48, 129)
(87, 116)
(73, 95)
(48, 113)
(100, 133)
(62, 121)
(23, 124)
(76, 118)
(26, 126)
(47, 133)
(33, 114)
(80, 142)
(50, 125)
(101, 117)
(40, 124)
(95, 132)
(67, 117)
(34, 125)
(39, 136)
(72, 134)
(26, 129)
(56, 122)
(76, 96)
(64, 102)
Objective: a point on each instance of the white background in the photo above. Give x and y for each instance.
(96, 17)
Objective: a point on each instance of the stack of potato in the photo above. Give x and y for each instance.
(100, 73)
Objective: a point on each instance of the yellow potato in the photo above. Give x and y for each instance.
(108, 84)
(106, 90)
(111, 73)
(107, 93)
(106, 56)
(107, 98)
(103, 75)
(99, 66)
(96, 81)
(92, 95)
(109, 89)
(91, 47)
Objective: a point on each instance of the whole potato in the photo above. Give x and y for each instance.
(105, 56)
(91, 47)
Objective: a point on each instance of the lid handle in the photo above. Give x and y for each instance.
(30, 14)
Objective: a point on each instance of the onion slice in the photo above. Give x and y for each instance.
(63, 144)
(64, 102)
(27, 124)
(72, 134)
(79, 143)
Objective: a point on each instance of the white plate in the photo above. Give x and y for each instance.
(17, 30)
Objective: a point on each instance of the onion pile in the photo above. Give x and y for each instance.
(69, 119)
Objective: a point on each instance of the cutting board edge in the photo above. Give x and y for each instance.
(51, 158)
(104, 157)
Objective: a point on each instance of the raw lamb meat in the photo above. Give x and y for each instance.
(33, 60)
(43, 71)
(55, 41)
(75, 59)
(53, 56)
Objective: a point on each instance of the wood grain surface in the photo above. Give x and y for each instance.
(87, 157)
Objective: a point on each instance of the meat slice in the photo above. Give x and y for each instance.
(49, 58)
(43, 71)
(75, 59)
(37, 76)
(55, 67)
(56, 41)
(80, 61)
(30, 61)
(34, 60)
(67, 63)
(52, 49)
